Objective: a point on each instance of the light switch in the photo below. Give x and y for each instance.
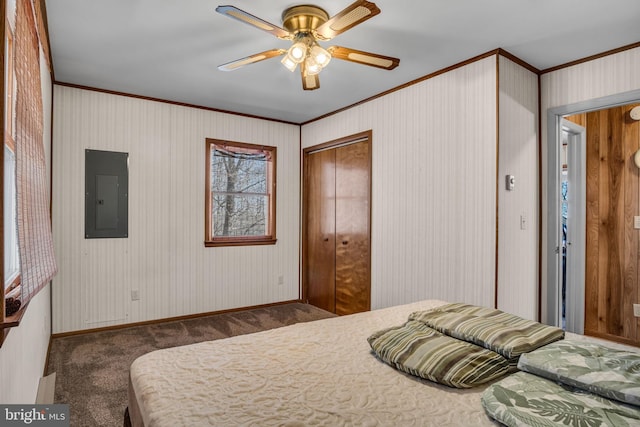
(510, 182)
(636, 222)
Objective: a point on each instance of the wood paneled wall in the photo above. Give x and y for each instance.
(612, 283)
(518, 209)
(433, 185)
(434, 153)
(164, 257)
(436, 186)
(433, 200)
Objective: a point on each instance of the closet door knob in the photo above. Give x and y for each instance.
(344, 242)
(326, 239)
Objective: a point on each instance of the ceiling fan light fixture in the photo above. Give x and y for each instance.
(297, 52)
(320, 55)
(311, 66)
(304, 26)
(289, 63)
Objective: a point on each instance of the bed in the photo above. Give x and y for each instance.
(316, 373)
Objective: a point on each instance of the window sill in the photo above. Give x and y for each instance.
(240, 242)
(11, 322)
(14, 320)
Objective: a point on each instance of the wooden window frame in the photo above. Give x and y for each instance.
(270, 236)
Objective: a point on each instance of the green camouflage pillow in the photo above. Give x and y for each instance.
(418, 350)
(589, 366)
(522, 399)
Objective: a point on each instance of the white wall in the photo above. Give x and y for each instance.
(517, 247)
(610, 75)
(164, 257)
(433, 201)
(435, 179)
(601, 77)
(434, 185)
(24, 353)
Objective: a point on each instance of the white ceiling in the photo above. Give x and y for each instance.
(169, 49)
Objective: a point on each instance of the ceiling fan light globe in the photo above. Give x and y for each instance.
(323, 59)
(289, 63)
(297, 52)
(320, 55)
(312, 67)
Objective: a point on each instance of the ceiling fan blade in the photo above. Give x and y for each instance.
(309, 82)
(234, 65)
(365, 58)
(352, 15)
(247, 18)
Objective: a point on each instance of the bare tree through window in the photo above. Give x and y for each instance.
(241, 190)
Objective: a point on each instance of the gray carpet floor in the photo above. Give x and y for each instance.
(92, 369)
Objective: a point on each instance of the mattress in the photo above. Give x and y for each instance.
(311, 374)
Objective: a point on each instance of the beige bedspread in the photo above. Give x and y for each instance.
(311, 374)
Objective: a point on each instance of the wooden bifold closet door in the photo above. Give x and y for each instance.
(336, 228)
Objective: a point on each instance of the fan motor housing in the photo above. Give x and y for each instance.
(303, 18)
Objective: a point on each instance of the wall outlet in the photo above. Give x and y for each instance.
(280, 280)
(135, 295)
(636, 310)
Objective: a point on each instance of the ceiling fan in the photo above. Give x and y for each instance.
(305, 25)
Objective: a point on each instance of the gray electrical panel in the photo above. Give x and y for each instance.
(106, 199)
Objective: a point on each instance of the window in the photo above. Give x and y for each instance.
(10, 203)
(11, 254)
(28, 217)
(241, 194)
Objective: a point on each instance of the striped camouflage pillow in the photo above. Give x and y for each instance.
(418, 350)
(504, 333)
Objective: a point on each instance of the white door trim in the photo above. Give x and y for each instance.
(551, 251)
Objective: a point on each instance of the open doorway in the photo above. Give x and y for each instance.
(599, 246)
(573, 219)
